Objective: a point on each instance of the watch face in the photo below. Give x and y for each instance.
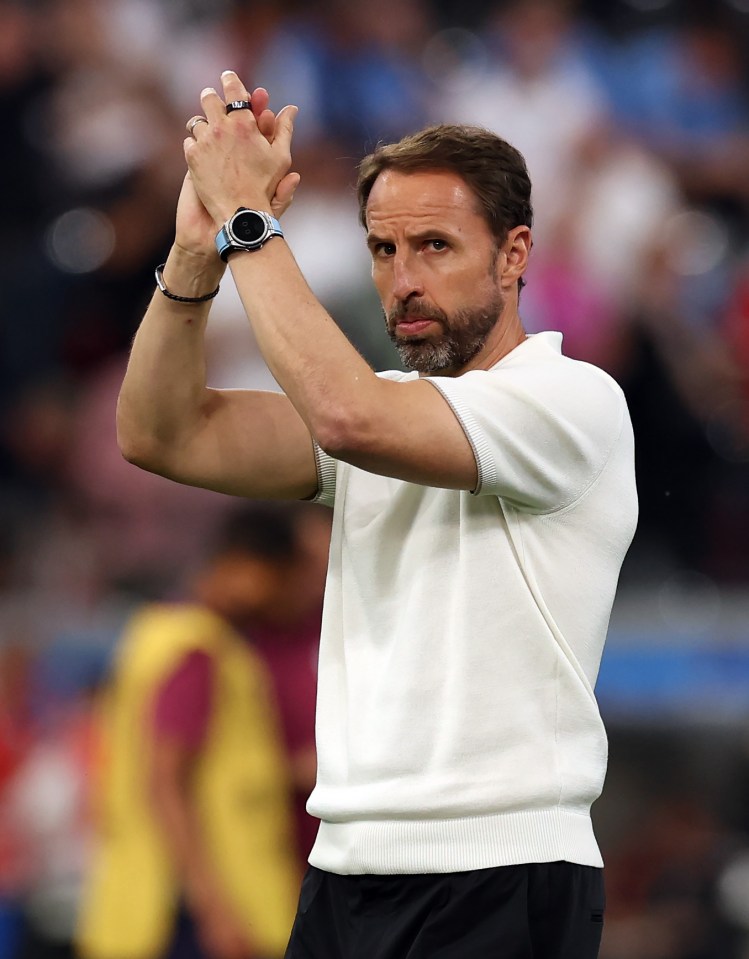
(248, 227)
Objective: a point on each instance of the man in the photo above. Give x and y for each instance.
(195, 787)
(483, 506)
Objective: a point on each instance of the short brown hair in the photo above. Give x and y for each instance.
(493, 169)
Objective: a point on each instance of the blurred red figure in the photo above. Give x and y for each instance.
(196, 853)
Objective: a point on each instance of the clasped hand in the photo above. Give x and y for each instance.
(242, 158)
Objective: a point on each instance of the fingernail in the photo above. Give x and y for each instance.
(228, 73)
(206, 90)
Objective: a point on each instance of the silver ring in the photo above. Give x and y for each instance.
(238, 105)
(193, 123)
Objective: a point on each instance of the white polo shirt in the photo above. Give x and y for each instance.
(457, 726)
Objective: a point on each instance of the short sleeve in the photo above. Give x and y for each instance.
(541, 433)
(183, 702)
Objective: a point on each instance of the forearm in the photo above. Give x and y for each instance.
(233, 165)
(164, 386)
(323, 375)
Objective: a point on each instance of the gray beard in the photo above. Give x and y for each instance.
(465, 333)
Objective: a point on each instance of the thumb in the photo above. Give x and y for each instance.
(284, 194)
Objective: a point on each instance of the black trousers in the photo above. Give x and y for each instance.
(537, 911)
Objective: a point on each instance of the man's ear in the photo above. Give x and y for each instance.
(516, 248)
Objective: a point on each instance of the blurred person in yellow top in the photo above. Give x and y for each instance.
(195, 854)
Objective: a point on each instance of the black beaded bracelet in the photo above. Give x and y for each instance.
(180, 299)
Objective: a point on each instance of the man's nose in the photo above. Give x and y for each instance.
(407, 280)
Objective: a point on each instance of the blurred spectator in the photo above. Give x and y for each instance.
(586, 279)
(533, 90)
(682, 383)
(29, 331)
(370, 69)
(680, 87)
(194, 798)
(92, 196)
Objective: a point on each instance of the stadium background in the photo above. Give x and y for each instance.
(634, 116)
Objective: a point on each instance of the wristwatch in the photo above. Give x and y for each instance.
(246, 230)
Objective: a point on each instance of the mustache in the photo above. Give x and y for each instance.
(415, 308)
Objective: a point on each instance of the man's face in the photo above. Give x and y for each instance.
(434, 263)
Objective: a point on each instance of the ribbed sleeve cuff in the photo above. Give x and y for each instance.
(326, 477)
(485, 465)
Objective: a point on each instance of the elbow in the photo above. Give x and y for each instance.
(340, 433)
(136, 453)
(137, 448)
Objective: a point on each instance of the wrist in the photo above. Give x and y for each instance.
(192, 274)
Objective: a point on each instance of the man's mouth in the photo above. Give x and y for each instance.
(413, 324)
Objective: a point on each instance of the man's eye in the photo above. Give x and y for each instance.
(437, 244)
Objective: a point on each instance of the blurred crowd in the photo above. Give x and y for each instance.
(634, 118)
